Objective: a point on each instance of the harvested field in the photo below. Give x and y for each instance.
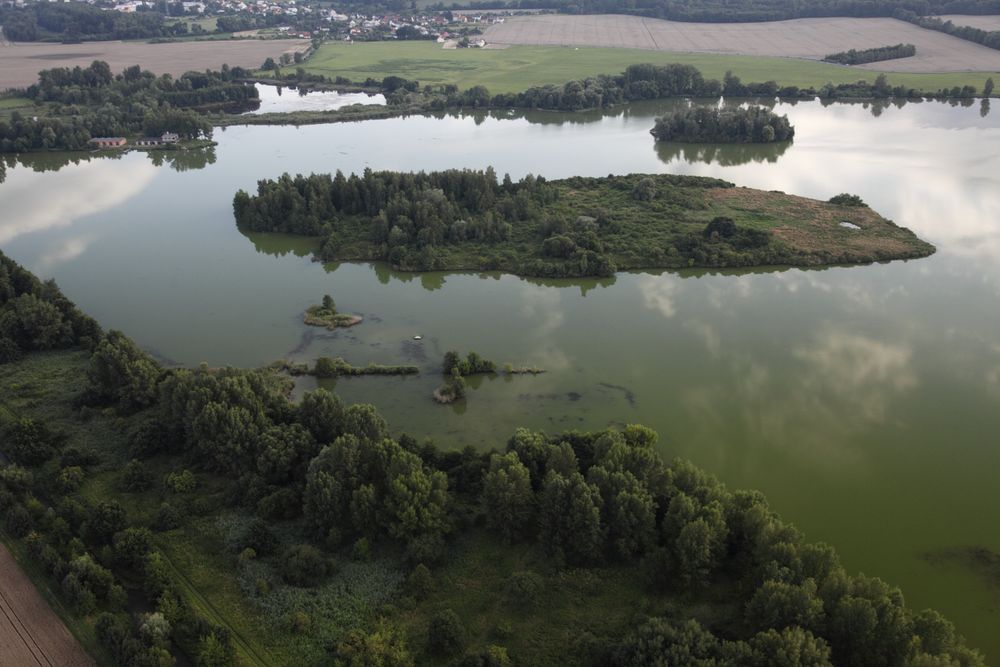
(810, 39)
(21, 62)
(30, 632)
(981, 22)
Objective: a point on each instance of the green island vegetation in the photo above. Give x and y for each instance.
(325, 314)
(855, 57)
(743, 125)
(82, 103)
(462, 219)
(517, 68)
(455, 369)
(199, 515)
(327, 368)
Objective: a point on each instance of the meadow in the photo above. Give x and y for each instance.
(516, 68)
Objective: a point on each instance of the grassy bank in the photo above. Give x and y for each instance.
(519, 67)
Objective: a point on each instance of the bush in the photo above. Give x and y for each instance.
(845, 199)
(304, 565)
(445, 634)
(28, 443)
(420, 583)
(523, 588)
(135, 477)
(167, 517)
(18, 521)
(181, 482)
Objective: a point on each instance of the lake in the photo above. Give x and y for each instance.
(283, 99)
(864, 401)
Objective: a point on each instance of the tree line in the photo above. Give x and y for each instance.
(743, 125)
(877, 54)
(86, 102)
(990, 38)
(76, 22)
(585, 499)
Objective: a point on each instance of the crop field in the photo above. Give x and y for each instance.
(30, 632)
(811, 39)
(519, 67)
(981, 22)
(21, 62)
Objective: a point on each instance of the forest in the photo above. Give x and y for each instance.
(855, 57)
(92, 102)
(136, 461)
(78, 22)
(463, 219)
(742, 125)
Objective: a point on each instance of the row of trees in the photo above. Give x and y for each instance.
(877, 54)
(990, 38)
(75, 22)
(705, 125)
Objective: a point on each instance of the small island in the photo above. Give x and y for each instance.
(471, 220)
(711, 125)
(326, 315)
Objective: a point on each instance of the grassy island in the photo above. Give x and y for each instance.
(470, 220)
(326, 315)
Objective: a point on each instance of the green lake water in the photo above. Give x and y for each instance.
(864, 401)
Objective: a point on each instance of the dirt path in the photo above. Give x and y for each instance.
(30, 632)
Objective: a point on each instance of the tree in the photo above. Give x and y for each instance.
(988, 87)
(445, 634)
(304, 565)
(135, 477)
(28, 442)
(381, 648)
(122, 374)
(323, 414)
(106, 519)
(364, 421)
(508, 497)
(34, 324)
(790, 647)
(660, 642)
(570, 518)
(523, 588)
(779, 605)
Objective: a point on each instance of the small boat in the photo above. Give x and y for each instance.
(418, 338)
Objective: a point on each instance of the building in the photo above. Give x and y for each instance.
(165, 138)
(108, 142)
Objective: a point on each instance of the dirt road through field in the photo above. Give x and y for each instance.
(30, 632)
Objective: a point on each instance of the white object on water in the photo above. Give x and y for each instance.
(418, 338)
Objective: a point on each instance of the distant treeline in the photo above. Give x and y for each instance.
(77, 21)
(715, 11)
(990, 38)
(92, 102)
(750, 125)
(854, 57)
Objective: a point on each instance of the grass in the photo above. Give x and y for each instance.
(576, 609)
(519, 67)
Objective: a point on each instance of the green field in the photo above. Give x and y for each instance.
(519, 67)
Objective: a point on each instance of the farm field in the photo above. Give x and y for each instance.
(20, 63)
(30, 632)
(981, 22)
(519, 67)
(800, 38)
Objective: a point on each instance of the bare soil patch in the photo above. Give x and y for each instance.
(21, 62)
(810, 39)
(30, 632)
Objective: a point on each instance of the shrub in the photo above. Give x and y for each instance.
(304, 565)
(523, 588)
(420, 583)
(445, 634)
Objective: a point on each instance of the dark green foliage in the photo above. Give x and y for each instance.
(471, 365)
(854, 57)
(17, 522)
(106, 519)
(304, 565)
(135, 476)
(570, 518)
(507, 496)
(81, 22)
(845, 199)
(132, 545)
(383, 648)
(420, 583)
(446, 635)
(167, 517)
(523, 589)
(29, 443)
(743, 125)
(327, 368)
(122, 374)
